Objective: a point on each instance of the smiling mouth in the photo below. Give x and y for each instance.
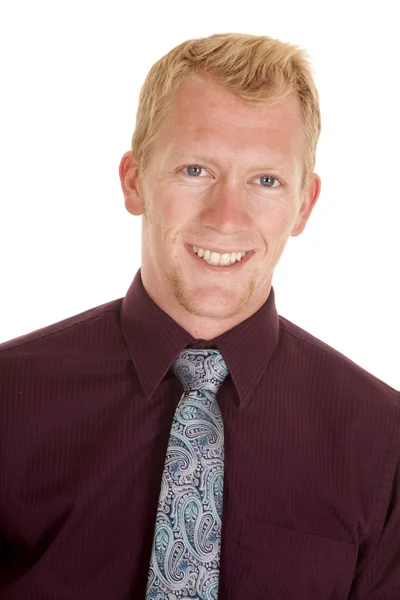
(216, 259)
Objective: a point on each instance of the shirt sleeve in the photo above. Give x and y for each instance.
(377, 574)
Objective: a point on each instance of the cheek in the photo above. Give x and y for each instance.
(169, 217)
(278, 219)
(158, 210)
(179, 209)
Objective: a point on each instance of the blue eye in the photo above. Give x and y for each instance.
(193, 170)
(267, 181)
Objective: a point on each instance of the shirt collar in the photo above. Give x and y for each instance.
(154, 340)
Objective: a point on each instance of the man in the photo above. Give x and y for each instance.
(186, 441)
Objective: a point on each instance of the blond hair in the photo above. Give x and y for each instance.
(255, 68)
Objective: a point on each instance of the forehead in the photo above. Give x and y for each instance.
(205, 115)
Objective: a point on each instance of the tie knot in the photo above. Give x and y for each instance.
(200, 369)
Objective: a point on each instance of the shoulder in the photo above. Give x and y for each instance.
(54, 372)
(68, 332)
(330, 367)
(345, 403)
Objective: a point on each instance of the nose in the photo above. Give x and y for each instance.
(225, 208)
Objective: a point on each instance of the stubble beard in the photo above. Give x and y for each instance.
(186, 298)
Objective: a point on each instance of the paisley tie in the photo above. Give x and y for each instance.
(185, 556)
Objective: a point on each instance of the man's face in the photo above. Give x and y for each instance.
(223, 177)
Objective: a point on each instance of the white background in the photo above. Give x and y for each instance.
(70, 77)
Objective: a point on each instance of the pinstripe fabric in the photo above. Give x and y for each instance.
(312, 446)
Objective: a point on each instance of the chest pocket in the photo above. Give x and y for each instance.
(276, 563)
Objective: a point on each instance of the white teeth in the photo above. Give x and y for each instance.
(214, 258)
(225, 260)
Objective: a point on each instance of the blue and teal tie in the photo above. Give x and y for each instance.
(185, 557)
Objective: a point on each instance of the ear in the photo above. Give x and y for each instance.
(311, 196)
(131, 184)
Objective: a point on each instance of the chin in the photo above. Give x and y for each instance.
(213, 303)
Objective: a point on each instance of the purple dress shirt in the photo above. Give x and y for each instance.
(312, 459)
